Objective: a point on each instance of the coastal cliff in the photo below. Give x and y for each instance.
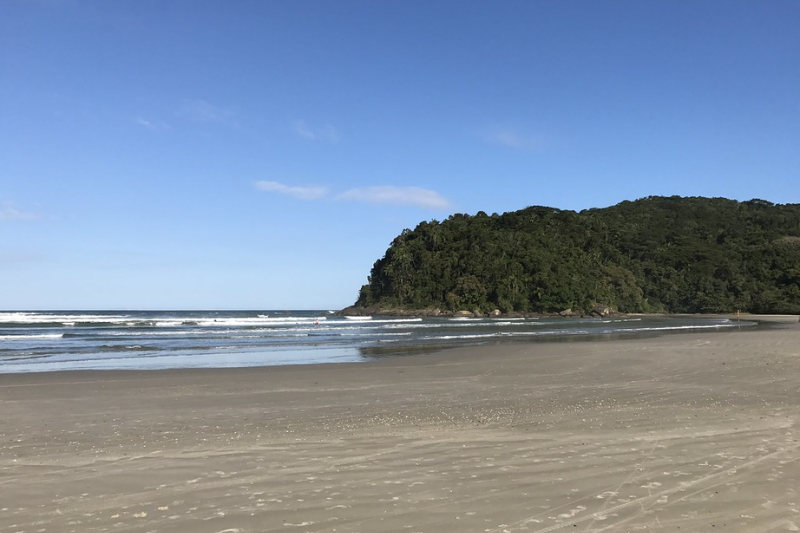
(656, 254)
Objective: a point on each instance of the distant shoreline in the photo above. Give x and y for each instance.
(598, 313)
(321, 353)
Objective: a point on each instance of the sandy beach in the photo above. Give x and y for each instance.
(686, 432)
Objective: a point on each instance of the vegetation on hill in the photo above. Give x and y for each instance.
(656, 254)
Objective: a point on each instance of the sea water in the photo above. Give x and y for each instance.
(145, 340)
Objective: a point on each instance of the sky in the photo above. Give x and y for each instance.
(197, 154)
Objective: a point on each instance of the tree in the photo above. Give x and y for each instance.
(655, 254)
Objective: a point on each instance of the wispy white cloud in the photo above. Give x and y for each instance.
(10, 212)
(202, 111)
(323, 133)
(388, 194)
(155, 125)
(513, 139)
(303, 193)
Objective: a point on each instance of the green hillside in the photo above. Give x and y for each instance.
(657, 254)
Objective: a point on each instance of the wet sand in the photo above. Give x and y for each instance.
(686, 432)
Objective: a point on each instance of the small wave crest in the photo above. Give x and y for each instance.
(128, 348)
(34, 336)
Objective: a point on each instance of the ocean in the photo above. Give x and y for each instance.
(45, 341)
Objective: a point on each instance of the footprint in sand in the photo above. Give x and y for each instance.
(572, 512)
(606, 494)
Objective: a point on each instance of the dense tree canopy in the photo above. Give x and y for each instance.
(656, 254)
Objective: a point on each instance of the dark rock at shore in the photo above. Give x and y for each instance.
(393, 311)
(352, 311)
(599, 311)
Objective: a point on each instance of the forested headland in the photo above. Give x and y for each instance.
(656, 255)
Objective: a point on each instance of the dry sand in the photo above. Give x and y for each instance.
(690, 433)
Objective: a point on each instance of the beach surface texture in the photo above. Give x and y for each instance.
(688, 432)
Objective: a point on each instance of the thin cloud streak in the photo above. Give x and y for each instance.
(302, 193)
(403, 196)
(387, 194)
(325, 133)
(205, 112)
(151, 125)
(515, 140)
(10, 212)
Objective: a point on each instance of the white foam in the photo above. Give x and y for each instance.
(710, 326)
(39, 318)
(394, 320)
(159, 321)
(261, 321)
(473, 336)
(18, 337)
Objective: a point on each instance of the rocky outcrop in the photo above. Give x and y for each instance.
(601, 311)
(392, 311)
(351, 311)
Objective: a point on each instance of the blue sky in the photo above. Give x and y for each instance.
(263, 154)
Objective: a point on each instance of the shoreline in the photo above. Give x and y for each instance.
(366, 354)
(689, 431)
(423, 352)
